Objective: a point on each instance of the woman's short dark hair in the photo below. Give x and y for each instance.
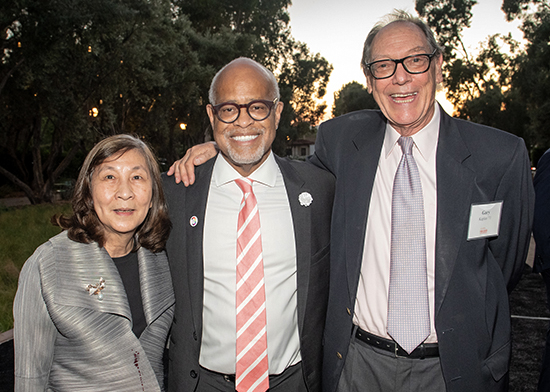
(84, 225)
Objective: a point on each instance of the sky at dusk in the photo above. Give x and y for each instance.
(337, 30)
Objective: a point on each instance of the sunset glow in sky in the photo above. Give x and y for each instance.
(337, 30)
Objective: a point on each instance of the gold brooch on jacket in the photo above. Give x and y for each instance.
(95, 289)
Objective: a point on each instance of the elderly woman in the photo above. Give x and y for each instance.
(95, 303)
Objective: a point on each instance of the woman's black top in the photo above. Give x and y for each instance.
(129, 272)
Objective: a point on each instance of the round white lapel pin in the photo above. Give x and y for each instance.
(194, 221)
(305, 199)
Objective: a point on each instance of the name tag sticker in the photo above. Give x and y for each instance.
(484, 220)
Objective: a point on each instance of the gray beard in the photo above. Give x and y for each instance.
(249, 157)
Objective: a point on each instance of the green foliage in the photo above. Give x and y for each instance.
(22, 230)
(531, 81)
(447, 18)
(63, 59)
(505, 85)
(480, 87)
(255, 27)
(260, 30)
(303, 78)
(73, 72)
(516, 8)
(461, 73)
(352, 96)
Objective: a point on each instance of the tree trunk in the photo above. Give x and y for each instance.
(21, 185)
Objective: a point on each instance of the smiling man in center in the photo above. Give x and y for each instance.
(249, 251)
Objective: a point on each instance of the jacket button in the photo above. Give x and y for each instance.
(339, 355)
(193, 374)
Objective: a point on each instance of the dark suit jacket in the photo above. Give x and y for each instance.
(541, 223)
(312, 232)
(475, 164)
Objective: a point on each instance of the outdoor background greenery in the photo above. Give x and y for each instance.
(75, 71)
(22, 230)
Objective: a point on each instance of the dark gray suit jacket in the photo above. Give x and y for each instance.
(541, 223)
(68, 340)
(474, 164)
(184, 247)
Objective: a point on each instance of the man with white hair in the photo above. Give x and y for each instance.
(430, 230)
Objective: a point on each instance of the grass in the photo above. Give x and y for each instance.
(22, 230)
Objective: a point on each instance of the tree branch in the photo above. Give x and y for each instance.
(20, 184)
(10, 72)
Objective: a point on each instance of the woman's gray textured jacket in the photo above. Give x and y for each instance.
(68, 340)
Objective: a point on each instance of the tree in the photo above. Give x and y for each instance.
(73, 72)
(303, 78)
(480, 87)
(220, 32)
(531, 81)
(352, 96)
(505, 85)
(259, 30)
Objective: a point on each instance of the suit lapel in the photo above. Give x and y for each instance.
(360, 168)
(195, 207)
(82, 264)
(301, 219)
(453, 206)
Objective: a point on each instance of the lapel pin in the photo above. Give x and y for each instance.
(95, 289)
(305, 199)
(193, 221)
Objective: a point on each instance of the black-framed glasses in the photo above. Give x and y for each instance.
(415, 64)
(258, 110)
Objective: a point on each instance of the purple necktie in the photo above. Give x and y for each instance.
(408, 309)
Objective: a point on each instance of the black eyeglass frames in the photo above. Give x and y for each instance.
(258, 110)
(415, 64)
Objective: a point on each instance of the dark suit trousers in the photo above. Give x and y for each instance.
(369, 368)
(291, 380)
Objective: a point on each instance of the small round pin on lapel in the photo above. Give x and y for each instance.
(305, 199)
(193, 221)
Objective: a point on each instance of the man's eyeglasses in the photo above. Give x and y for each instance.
(415, 64)
(258, 110)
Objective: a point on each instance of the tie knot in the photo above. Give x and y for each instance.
(245, 184)
(406, 144)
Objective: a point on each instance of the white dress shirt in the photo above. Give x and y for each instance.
(371, 306)
(279, 257)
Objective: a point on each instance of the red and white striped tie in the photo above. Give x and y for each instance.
(252, 369)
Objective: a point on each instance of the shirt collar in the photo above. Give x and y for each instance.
(425, 140)
(265, 174)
